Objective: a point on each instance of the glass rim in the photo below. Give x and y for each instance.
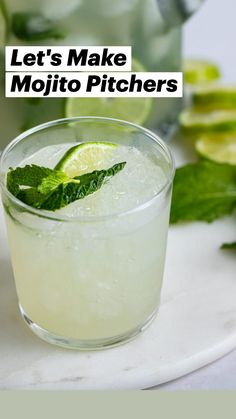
(92, 218)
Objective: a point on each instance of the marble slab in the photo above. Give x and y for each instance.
(195, 326)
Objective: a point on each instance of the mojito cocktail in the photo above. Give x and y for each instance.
(88, 244)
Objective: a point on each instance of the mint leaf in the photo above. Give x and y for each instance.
(34, 27)
(52, 181)
(203, 191)
(52, 189)
(31, 197)
(30, 175)
(230, 246)
(79, 188)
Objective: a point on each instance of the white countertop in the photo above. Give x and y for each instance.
(211, 34)
(220, 375)
(196, 325)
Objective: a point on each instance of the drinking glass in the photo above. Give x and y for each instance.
(88, 282)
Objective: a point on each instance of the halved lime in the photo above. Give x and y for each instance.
(85, 158)
(213, 97)
(220, 147)
(200, 71)
(136, 110)
(193, 122)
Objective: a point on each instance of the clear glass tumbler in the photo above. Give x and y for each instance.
(88, 282)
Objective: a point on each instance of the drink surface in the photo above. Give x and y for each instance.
(140, 180)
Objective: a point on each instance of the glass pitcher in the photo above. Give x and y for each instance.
(151, 27)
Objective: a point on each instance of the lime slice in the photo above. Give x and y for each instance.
(85, 158)
(200, 71)
(213, 97)
(220, 148)
(136, 110)
(217, 121)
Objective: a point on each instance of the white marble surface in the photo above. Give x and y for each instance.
(196, 324)
(219, 375)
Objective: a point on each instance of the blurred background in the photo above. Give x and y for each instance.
(211, 34)
(161, 32)
(152, 27)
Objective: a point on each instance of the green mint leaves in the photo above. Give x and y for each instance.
(203, 191)
(26, 176)
(34, 27)
(48, 189)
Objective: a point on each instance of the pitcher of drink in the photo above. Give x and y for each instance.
(152, 27)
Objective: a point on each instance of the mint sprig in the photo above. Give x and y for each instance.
(49, 189)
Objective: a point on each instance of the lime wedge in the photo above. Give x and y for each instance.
(217, 121)
(136, 110)
(200, 71)
(213, 97)
(85, 158)
(220, 148)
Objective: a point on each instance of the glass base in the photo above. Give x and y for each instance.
(86, 345)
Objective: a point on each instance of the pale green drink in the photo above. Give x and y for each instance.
(90, 275)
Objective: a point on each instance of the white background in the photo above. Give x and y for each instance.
(211, 34)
